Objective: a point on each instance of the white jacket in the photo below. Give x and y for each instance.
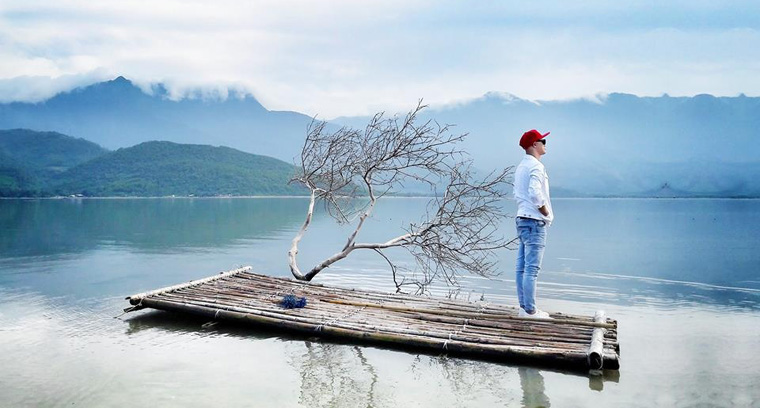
(532, 189)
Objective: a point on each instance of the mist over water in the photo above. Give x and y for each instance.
(680, 276)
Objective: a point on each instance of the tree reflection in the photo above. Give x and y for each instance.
(471, 380)
(334, 375)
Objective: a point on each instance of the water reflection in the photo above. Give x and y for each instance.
(135, 244)
(680, 277)
(597, 379)
(339, 375)
(63, 351)
(349, 375)
(334, 375)
(49, 227)
(532, 384)
(178, 323)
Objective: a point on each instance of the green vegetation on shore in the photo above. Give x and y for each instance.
(29, 160)
(34, 164)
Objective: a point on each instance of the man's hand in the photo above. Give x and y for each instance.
(544, 210)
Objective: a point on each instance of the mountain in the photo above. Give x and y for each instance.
(613, 145)
(166, 168)
(619, 144)
(29, 159)
(119, 114)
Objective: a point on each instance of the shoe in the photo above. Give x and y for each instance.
(538, 314)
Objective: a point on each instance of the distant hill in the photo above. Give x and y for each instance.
(16, 180)
(166, 168)
(29, 160)
(36, 164)
(619, 144)
(118, 114)
(48, 150)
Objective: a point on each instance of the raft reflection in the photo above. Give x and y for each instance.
(350, 375)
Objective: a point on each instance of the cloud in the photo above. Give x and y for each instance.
(40, 88)
(344, 57)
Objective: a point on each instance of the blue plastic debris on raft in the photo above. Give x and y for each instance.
(292, 302)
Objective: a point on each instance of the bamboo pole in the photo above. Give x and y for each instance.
(494, 316)
(135, 299)
(596, 348)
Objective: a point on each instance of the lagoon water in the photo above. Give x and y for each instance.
(682, 277)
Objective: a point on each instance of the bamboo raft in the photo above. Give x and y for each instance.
(433, 325)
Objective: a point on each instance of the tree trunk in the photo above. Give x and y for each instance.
(294, 246)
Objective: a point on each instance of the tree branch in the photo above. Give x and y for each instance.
(459, 232)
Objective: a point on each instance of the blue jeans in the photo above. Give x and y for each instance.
(530, 253)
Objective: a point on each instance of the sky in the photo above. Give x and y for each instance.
(344, 58)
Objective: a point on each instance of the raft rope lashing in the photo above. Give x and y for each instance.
(213, 322)
(481, 308)
(455, 333)
(337, 319)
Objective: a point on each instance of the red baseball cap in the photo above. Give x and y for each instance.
(530, 137)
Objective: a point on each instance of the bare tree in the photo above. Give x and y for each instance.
(459, 231)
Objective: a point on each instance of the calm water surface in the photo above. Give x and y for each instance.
(681, 277)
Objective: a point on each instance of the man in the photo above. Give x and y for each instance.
(534, 215)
